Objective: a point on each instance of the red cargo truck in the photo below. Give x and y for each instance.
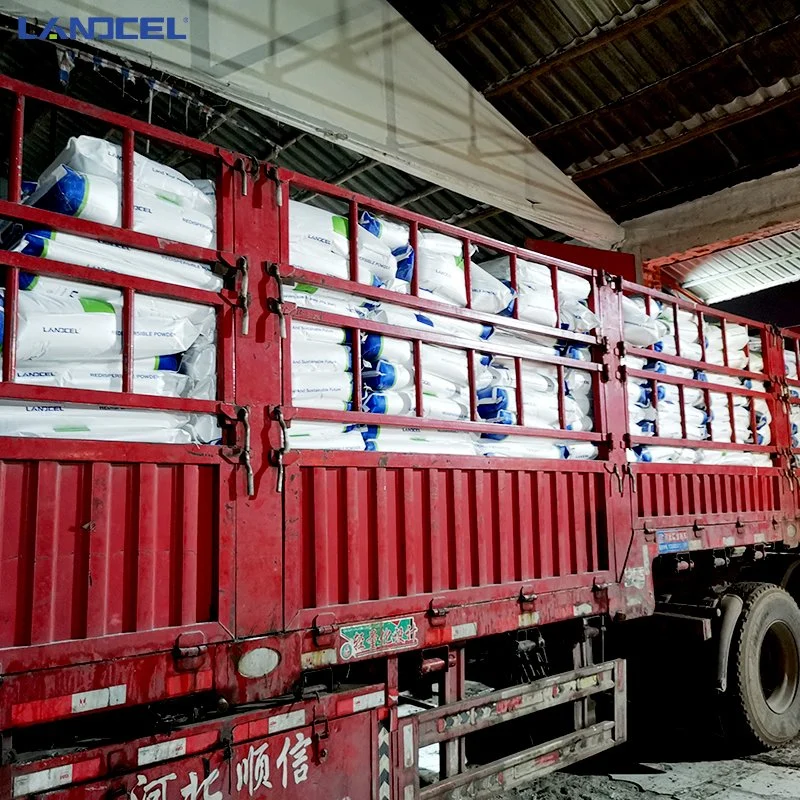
(253, 619)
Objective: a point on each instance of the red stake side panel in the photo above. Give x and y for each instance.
(685, 507)
(116, 555)
(406, 533)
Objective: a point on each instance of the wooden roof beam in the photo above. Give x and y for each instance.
(705, 129)
(472, 24)
(663, 84)
(624, 25)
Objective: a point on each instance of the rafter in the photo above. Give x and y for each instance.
(472, 24)
(348, 173)
(623, 25)
(663, 84)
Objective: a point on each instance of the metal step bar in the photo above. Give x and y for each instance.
(456, 720)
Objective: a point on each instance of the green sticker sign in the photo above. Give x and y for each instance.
(369, 638)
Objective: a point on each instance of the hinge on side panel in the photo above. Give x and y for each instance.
(324, 630)
(437, 612)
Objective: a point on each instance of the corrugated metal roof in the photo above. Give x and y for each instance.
(232, 127)
(647, 104)
(741, 270)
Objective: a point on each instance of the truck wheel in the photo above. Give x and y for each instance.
(764, 680)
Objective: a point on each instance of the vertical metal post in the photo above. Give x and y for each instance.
(512, 267)
(15, 150)
(11, 303)
(353, 237)
(451, 690)
(127, 339)
(724, 332)
(519, 392)
(468, 271)
(413, 239)
(654, 403)
(355, 357)
(127, 179)
(554, 282)
(473, 388)
(562, 414)
(419, 397)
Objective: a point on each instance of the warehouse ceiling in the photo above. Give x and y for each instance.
(645, 104)
(98, 78)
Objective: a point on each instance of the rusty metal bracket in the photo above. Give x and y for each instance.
(437, 612)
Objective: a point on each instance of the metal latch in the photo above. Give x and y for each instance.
(614, 470)
(244, 416)
(247, 166)
(527, 599)
(320, 730)
(272, 174)
(245, 297)
(281, 451)
(276, 304)
(241, 455)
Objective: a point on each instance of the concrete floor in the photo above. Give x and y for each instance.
(773, 775)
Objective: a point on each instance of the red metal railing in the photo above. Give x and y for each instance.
(13, 209)
(513, 324)
(709, 386)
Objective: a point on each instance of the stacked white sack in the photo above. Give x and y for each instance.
(389, 379)
(319, 242)
(321, 367)
(497, 403)
(536, 298)
(737, 339)
(794, 423)
(790, 362)
(440, 261)
(71, 421)
(85, 252)
(85, 181)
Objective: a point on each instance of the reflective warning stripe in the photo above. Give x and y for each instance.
(45, 779)
(174, 748)
(361, 703)
(273, 724)
(68, 704)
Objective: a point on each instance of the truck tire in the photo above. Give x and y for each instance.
(764, 671)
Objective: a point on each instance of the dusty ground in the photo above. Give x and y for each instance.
(774, 775)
